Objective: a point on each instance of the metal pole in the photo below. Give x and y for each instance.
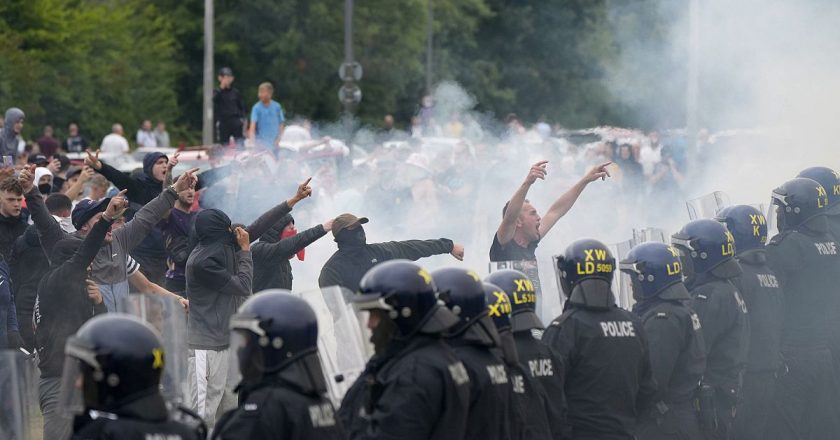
(207, 124)
(430, 31)
(692, 119)
(348, 58)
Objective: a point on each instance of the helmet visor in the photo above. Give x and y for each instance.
(71, 395)
(245, 364)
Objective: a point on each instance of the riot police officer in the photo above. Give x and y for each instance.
(760, 290)
(830, 181)
(275, 340)
(112, 376)
(604, 349)
(528, 418)
(805, 259)
(472, 338)
(414, 387)
(678, 356)
(535, 357)
(707, 255)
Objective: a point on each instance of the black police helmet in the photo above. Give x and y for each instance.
(523, 296)
(747, 225)
(120, 356)
(498, 306)
(799, 200)
(407, 293)
(586, 272)
(655, 270)
(706, 247)
(462, 292)
(830, 180)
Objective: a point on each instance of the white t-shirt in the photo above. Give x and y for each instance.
(146, 139)
(114, 143)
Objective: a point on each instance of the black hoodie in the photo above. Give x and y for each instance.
(28, 265)
(272, 269)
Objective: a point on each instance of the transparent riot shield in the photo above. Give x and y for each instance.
(771, 214)
(17, 395)
(645, 235)
(341, 345)
(707, 206)
(622, 286)
(169, 318)
(546, 305)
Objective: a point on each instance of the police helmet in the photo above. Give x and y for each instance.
(706, 247)
(655, 270)
(747, 225)
(799, 200)
(275, 333)
(406, 292)
(523, 296)
(830, 181)
(498, 306)
(463, 293)
(114, 357)
(586, 273)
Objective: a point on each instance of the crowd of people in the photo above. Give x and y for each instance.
(730, 336)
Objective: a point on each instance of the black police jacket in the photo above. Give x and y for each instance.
(275, 410)
(420, 392)
(806, 262)
(141, 419)
(547, 371)
(528, 418)
(677, 350)
(608, 379)
(490, 391)
(723, 315)
(763, 294)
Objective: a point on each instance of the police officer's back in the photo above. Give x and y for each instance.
(472, 339)
(528, 417)
(112, 374)
(414, 387)
(535, 357)
(275, 339)
(763, 295)
(805, 259)
(604, 350)
(678, 354)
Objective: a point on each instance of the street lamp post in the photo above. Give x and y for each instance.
(207, 105)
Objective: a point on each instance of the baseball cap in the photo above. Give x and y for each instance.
(86, 209)
(346, 220)
(225, 71)
(38, 159)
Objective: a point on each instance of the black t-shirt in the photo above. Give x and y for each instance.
(512, 251)
(227, 106)
(75, 144)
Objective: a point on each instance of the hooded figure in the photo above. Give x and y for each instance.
(276, 247)
(8, 135)
(45, 187)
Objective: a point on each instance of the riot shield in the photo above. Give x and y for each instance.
(649, 234)
(707, 206)
(341, 345)
(169, 318)
(546, 306)
(17, 395)
(622, 286)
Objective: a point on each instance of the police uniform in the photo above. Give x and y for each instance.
(608, 379)
(535, 358)
(414, 387)
(142, 419)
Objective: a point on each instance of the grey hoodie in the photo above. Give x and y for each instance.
(8, 137)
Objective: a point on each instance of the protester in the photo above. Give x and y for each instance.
(75, 142)
(219, 275)
(44, 180)
(13, 221)
(228, 110)
(355, 256)
(10, 336)
(145, 136)
(115, 143)
(67, 298)
(176, 229)
(276, 247)
(47, 143)
(60, 173)
(267, 120)
(161, 135)
(11, 132)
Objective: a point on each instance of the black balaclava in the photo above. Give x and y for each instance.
(351, 237)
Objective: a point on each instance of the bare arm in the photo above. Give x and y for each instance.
(252, 131)
(76, 190)
(563, 204)
(514, 207)
(142, 284)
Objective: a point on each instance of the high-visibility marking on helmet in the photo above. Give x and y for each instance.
(157, 363)
(425, 275)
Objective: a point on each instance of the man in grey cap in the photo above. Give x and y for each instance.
(10, 133)
(228, 110)
(355, 256)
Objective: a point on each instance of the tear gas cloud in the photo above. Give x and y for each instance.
(769, 94)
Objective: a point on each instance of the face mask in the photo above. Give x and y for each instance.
(352, 237)
(45, 188)
(291, 233)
